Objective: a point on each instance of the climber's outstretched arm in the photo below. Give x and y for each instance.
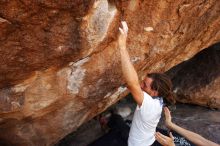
(128, 70)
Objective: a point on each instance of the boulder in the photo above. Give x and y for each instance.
(197, 80)
(60, 63)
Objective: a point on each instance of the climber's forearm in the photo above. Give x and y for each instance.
(128, 70)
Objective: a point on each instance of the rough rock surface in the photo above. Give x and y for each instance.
(197, 80)
(59, 60)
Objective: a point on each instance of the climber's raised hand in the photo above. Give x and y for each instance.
(123, 32)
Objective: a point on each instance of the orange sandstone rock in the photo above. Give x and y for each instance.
(60, 63)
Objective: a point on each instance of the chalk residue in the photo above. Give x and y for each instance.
(76, 76)
(98, 22)
(148, 29)
(116, 94)
(135, 59)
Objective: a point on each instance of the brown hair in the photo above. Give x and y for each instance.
(163, 85)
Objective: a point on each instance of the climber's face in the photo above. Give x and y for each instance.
(146, 86)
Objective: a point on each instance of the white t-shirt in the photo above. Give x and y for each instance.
(145, 121)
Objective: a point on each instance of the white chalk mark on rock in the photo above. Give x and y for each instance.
(148, 29)
(96, 25)
(76, 76)
(135, 59)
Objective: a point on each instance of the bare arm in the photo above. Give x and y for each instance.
(189, 135)
(129, 73)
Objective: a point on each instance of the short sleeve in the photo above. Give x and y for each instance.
(147, 104)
